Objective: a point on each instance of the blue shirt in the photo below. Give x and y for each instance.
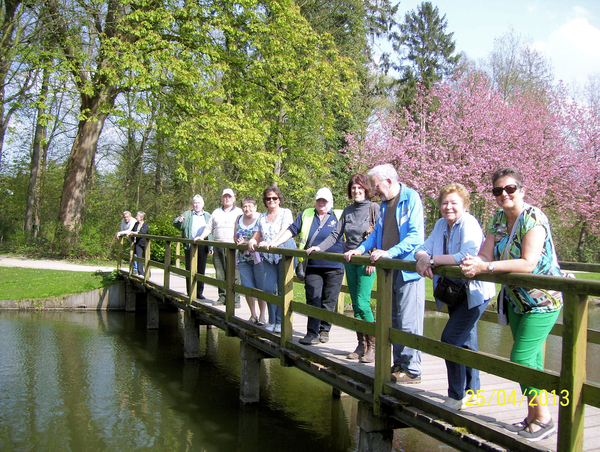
(466, 236)
(409, 214)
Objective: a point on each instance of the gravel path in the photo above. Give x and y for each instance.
(25, 262)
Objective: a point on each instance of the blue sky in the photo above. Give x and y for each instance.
(568, 32)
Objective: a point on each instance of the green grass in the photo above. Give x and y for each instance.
(30, 283)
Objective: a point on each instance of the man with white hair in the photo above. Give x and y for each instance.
(192, 223)
(323, 279)
(399, 231)
(127, 224)
(222, 226)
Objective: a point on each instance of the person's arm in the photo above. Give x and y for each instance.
(415, 234)
(178, 221)
(531, 250)
(287, 230)
(130, 226)
(283, 236)
(256, 237)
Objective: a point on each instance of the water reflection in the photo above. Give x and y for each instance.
(101, 381)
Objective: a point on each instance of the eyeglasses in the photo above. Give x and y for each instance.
(510, 189)
(273, 198)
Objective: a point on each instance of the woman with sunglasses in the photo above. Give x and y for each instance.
(519, 240)
(268, 225)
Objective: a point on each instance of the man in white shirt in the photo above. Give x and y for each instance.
(127, 224)
(222, 226)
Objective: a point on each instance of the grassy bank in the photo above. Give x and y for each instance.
(31, 283)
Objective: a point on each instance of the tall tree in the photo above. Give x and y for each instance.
(425, 51)
(516, 66)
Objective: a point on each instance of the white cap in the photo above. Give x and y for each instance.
(324, 193)
(228, 191)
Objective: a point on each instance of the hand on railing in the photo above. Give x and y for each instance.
(312, 248)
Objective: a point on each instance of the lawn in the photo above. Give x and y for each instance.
(30, 283)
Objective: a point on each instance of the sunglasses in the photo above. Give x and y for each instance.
(510, 189)
(274, 198)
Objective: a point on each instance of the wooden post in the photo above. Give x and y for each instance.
(230, 279)
(250, 373)
(131, 257)
(191, 336)
(383, 323)
(146, 257)
(193, 271)
(152, 315)
(178, 252)
(376, 433)
(287, 295)
(573, 373)
(120, 255)
(167, 262)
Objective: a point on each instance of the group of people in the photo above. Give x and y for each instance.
(131, 228)
(518, 240)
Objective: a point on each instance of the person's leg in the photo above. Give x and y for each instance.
(219, 263)
(246, 270)
(188, 266)
(202, 259)
(313, 288)
(461, 330)
(408, 314)
(362, 310)
(332, 284)
(269, 285)
(139, 252)
(258, 274)
(352, 282)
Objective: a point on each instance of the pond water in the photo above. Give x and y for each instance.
(99, 381)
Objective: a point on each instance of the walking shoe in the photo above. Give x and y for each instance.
(310, 340)
(201, 297)
(545, 431)
(277, 328)
(517, 426)
(402, 377)
(323, 337)
(457, 405)
(270, 327)
(218, 303)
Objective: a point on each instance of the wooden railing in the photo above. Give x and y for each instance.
(570, 384)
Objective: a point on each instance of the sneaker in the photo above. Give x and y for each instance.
(218, 303)
(517, 426)
(402, 377)
(457, 405)
(544, 432)
(277, 328)
(324, 337)
(310, 340)
(270, 327)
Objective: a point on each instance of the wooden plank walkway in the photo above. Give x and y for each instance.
(434, 381)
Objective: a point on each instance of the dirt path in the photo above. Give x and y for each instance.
(25, 262)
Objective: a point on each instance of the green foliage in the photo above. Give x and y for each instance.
(162, 226)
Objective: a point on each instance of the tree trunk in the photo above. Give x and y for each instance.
(80, 164)
(32, 222)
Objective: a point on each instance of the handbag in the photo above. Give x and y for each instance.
(450, 291)
(371, 227)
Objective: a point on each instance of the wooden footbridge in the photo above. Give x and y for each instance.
(383, 406)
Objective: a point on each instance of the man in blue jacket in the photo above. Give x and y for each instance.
(399, 231)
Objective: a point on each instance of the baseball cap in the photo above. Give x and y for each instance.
(324, 193)
(228, 191)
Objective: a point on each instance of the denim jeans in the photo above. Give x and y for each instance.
(408, 314)
(461, 330)
(271, 283)
(322, 287)
(251, 274)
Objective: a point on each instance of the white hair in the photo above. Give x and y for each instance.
(382, 172)
(198, 198)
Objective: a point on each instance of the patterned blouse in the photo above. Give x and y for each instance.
(523, 299)
(241, 230)
(269, 230)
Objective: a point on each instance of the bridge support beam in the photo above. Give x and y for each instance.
(191, 336)
(130, 297)
(250, 373)
(152, 316)
(376, 433)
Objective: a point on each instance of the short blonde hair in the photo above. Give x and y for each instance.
(457, 188)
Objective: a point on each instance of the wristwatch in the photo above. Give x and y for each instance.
(491, 267)
(431, 262)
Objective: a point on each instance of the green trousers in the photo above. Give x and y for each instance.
(359, 286)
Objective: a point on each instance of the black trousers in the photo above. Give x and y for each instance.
(201, 267)
(322, 287)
